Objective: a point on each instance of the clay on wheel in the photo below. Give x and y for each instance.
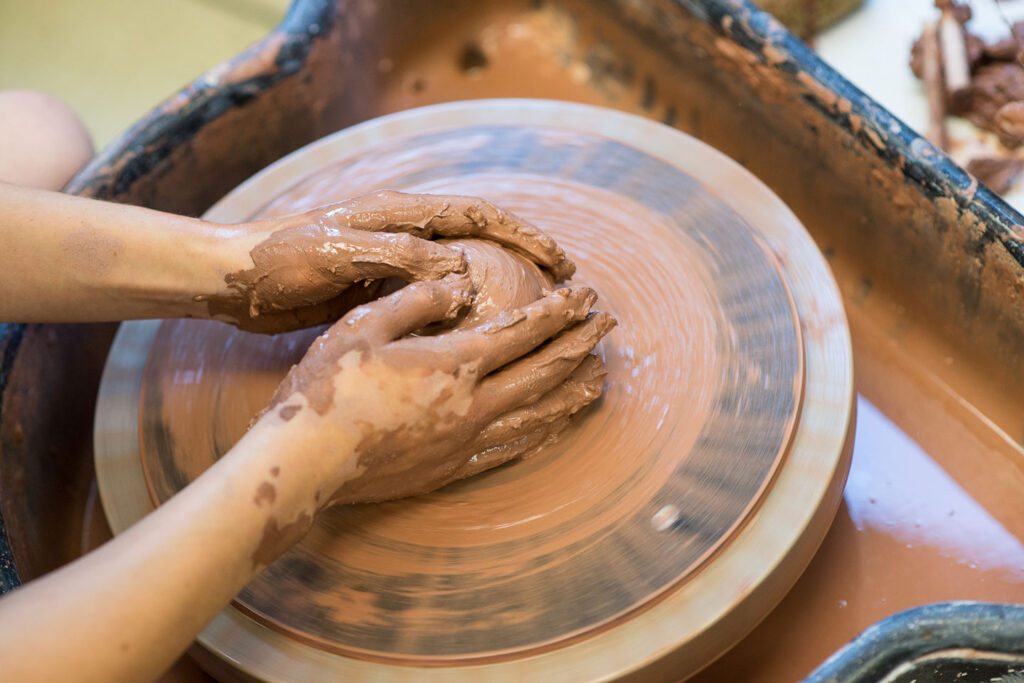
(503, 280)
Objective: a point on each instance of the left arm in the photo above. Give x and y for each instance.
(70, 259)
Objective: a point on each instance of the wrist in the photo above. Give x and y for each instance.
(220, 250)
(313, 454)
(168, 260)
(201, 262)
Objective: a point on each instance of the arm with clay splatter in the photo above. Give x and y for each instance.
(370, 413)
(69, 259)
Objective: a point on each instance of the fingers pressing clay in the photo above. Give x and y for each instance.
(520, 446)
(430, 216)
(375, 255)
(515, 333)
(527, 380)
(581, 387)
(304, 266)
(521, 433)
(370, 325)
(517, 434)
(503, 338)
(414, 306)
(504, 280)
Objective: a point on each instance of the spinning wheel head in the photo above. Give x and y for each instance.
(665, 518)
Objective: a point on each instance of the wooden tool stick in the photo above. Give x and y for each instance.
(953, 50)
(935, 88)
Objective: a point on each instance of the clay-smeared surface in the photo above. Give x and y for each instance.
(704, 374)
(277, 538)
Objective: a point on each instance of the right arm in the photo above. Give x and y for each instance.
(369, 413)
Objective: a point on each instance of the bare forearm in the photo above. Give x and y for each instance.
(127, 610)
(71, 259)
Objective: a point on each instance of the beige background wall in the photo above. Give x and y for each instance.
(113, 60)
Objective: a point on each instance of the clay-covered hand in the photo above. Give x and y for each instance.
(300, 269)
(417, 412)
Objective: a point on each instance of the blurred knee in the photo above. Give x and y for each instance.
(43, 143)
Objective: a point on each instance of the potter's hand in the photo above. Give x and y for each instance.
(416, 412)
(370, 413)
(299, 269)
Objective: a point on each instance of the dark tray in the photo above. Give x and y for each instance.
(958, 642)
(886, 207)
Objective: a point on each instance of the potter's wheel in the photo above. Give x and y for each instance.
(659, 529)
